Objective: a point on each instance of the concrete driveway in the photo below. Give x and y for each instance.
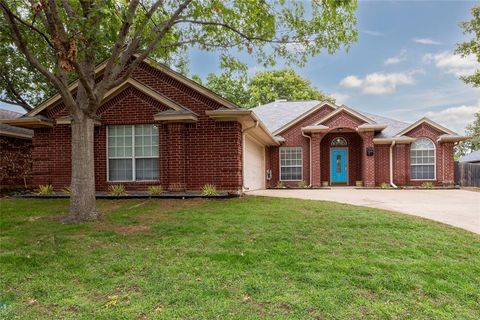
(460, 208)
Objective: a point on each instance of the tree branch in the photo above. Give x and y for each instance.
(20, 43)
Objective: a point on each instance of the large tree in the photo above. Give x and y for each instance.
(471, 47)
(263, 87)
(65, 39)
(473, 143)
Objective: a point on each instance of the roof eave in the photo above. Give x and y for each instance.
(28, 122)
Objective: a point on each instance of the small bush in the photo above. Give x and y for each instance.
(209, 190)
(155, 190)
(117, 190)
(280, 185)
(427, 185)
(302, 184)
(45, 189)
(67, 190)
(385, 185)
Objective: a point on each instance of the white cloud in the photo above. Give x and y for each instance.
(453, 63)
(402, 56)
(372, 33)
(351, 82)
(426, 41)
(380, 83)
(456, 118)
(340, 98)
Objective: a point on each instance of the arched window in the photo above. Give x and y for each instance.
(339, 142)
(422, 159)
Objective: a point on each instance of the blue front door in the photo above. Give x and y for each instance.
(338, 165)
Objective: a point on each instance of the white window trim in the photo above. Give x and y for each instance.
(422, 164)
(280, 162)
(132, 157)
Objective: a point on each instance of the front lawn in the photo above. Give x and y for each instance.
(249, 258)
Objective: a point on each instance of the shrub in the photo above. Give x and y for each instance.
(209, 190)
(302, 184)
(117, 190)
(280, 185)
(427, 185)
(385, 185)
(155, 190)
(45, 189)
(67, 190)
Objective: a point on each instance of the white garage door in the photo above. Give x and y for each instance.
(254, 165)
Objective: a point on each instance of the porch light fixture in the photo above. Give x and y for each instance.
(370, 151)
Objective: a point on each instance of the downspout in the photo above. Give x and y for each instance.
(391, 165)
(310, 153)
(244, 131)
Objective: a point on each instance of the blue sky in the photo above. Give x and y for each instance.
(401, 67)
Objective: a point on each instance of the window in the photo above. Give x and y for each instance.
(422, 159)
(291, 164)
(338, 142)
(133, 152)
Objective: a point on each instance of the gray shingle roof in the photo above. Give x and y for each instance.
(277, 114)
(471, 157)
(7, 114)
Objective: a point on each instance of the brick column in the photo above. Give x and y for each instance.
(315, 179)
(176, 157)
(447, 164)
(368, 162)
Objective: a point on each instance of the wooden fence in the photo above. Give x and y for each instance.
(467, 174)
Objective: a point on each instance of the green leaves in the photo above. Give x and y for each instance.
(263, 87)
(266, 30)
(471, 47)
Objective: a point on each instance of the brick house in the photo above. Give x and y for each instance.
(15, 154)
(323, 143)
(161, 128)
(157, 128)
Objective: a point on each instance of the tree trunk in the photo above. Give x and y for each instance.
(82, 198)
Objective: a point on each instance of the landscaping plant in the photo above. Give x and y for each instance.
(427, 185)
(155, 190)
(45, 189)
(209, 190)
(117, 190)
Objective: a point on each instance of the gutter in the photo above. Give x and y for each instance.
(244, 131)
(310, 154)
(391, 165)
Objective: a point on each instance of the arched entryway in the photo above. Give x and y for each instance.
(341, 156)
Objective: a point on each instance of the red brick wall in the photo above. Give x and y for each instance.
(294, 138)
(15, 162)
(442, 159)
(382, 164)
(212, 152)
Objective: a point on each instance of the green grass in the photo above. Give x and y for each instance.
(250, 258)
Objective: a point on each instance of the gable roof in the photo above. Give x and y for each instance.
(280, 114)
(154, 64)
(345, 109)
(429, 122)
(11, 131)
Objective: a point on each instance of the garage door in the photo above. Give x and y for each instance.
(254, 165)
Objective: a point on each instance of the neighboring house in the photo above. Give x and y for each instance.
(473, 157)
(160, 128)
(15, 153)
(336, 145)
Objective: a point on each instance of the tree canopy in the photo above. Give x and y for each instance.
(473, 143)
(61, 36)
(471, 47)
(263, 87)
(49, 43)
